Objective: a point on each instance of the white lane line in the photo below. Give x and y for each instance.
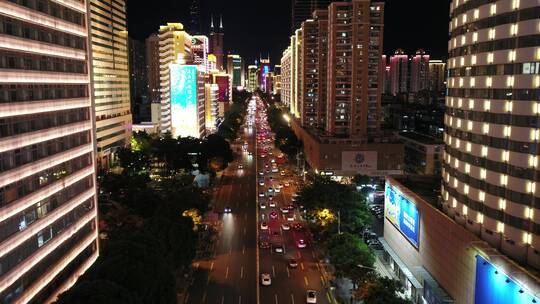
(244, 249)
(208, 280)
(186, 300)
(273, 271)
(292, 299)
(328, 296)
(203, 298)
(244, 230)
(242, 272)
(239, 299)
(211, 266)
(306, 281)
(288, 273)
(227, 273)
(302, 266)
(275, 297)
(222, 299)
(322, 281)
(318, 268)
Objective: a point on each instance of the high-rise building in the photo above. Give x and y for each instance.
(313, 87)
(195, 17)
(385, 74)
(138, 81)
(296, 71)
(48, 215)
(399, 73)
(286, 80)
(216, 43)
(264, 71)
(110, 63)
(277, 80)
(152, 68)
(490, 170)
(303, 10)
(437, 75)
(355, 35)
(212, 106)
(419, 72)
(253, 84)
(235, 68)
(174, 44)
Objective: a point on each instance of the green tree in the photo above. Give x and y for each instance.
(346, 252)
(378, 289)
(98, 291)
(216, 152)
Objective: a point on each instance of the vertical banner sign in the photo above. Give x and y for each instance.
(184, 117)
(402, 213)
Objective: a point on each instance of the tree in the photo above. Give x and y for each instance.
(98, 291)
(137, 266)
(216, 152)
(346, 252)
(380, 290)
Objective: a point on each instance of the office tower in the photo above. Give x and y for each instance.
(212, 62)
(138, 81)
(212, 107)
(313, 87)
(48, 217)
(194, 17)
(200, 48)
(174, 44)
(252, 78)
(110, 62)
(216, 43)
(355, 35)
(303, 10)
(152, 68)
(264, 70)
(296, 71)
(399, 72)
(419, 72)
(437, 75)
(235, 68)
(386, 75)
(490, 172)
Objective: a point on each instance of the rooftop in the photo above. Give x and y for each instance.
(421, 138)
(427, 187)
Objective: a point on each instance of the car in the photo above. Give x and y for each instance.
(284, 210)
(280, 186)
(282, 173)
(272, 204)
(267, 171)
(261, 172)
(277, 190)
(278, 249)
(295, 194)
(240, 166)
(311, 297)
(264, 245)
(264, 225)
(270, 190)
(263, 205)
(286, 184)
(285, 226)
(227, 209)
(301, 243)
(273, 215)
(261, 182)
(266, 166)
(250, 153)
(290, 217)
(292, 263)
(297, 226)
(266, 280)
(290, 207)
(275, 170)
(272, 160)
(261, 194)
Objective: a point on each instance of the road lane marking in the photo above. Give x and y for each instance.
(299, 254)
(222, 299)
(186, 300)
(230, 250)
(212, 266)
(322, 281)
(208, 281)
(302, 266)
(203, 300)
(328, 296)
(318, 268)
(273, 271)
(196, 266)
(313, 254)
(244, 230)
(275, 297)
(227, 272)
(306, 281)
(292, 298)
(239, 299)
(243, 249)
(288, 273)
(242, 272)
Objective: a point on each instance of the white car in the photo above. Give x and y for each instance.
(261, 172)
(275, 170)
(266, 280)
(264, 226)
(263, 205)
(261, 194)
(278, 190)
(261, 182)
(290, 217)
(270, 190)
(272, 204)
(311, 297)
(285, 226)
(240, 166)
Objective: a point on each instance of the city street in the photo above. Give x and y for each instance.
(233, 274)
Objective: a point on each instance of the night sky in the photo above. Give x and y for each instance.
(253, 27)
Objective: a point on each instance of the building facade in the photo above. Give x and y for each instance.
(48, 216)
(437, 75)
(212, 106)
(286, 78)
(110, 62)
(355, 41)
(200, 48)
(302, 10)
(174, 44)
(138, 81)
(399, 73)
(419, 72)
(235, 68)
(491, 125)
(152, 68)
(423, 153)
(216, 43)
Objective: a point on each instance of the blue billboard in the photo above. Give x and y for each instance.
(184, 114)
(403, 214)
(495, 287)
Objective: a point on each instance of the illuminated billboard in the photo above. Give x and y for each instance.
(184, 115)
(495, 287)
(402, 213)
(224, 85)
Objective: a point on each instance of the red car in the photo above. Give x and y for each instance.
(301, 243)
(273, 215)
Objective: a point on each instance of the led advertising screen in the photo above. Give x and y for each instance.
(184, 118)
(402, 213)
(223, 83)
(495, 287)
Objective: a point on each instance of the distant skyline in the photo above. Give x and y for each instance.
(261, 27)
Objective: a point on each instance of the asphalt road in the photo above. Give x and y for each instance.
(232, 275)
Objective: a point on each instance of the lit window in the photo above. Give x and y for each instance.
(480, 218)
(484, 151)
(455, 182)
(489, 82)
(463, 40)
(507, 131)
(481, 196)
(512, 55)
(535, 134)
(514, 29)
(500, 227)
(486, 128)
(458, 143)
(469, 147)
(515, 4)
(465, 210)
(462, 61)
(472, 82)
(460, 103)
(504, 179)
(454, 203)
(471, 103)
(536, 81)
(476, 13)
(491, 34)
(533, 161)
(473, 60)
(493, 9)
(502, 204)
(483, 173)
(467, 168)
(490, 58)
(461, 82)
(464, 18)
(508, 106)
(531, 187)
(466, 189)
(505, 156)
(529, 213)
(527, 238)
(459, 123)
(456, 163)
